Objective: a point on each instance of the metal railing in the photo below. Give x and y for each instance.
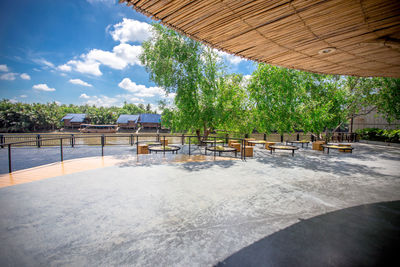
(71, 140)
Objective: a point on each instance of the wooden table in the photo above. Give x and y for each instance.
(257, 142)
(293, 148)
(267, 144)
(222, 149)
(170, 148)
(340, 148)
(298, 142)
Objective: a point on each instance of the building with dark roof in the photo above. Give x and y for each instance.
(150, 120)
(128, 121)
(74, 120)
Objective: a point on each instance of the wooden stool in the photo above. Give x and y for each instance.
(231, 141)
(317, 145)
(143, 149)
(267, 144)
(162, 142)
(247, 143)
(236, 145)
(248, 151)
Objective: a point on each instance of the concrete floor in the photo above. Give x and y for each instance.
(209, 213)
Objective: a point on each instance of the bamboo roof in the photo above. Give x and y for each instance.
(349, 37)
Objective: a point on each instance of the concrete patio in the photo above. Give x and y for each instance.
(271, 210)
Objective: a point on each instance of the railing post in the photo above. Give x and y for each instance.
(137, 144)
(244, 149)
(189, 144)
(298, 137)
(215, 145)
(164, 145)
(265, 137)
(227, 138)
(2, 140)
(281, 138)
(61, 149)
(9, 158)
(131, 139)
(38, 140)
(72, 140)
(183, 139)
(102, 145)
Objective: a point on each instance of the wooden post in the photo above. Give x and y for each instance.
(265, 137)
(298, 137)
(183, 139)
(281, 138)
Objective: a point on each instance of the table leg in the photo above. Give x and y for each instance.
(328, 150)
(293, 153)
(271, 150)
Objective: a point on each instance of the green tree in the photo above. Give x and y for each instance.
(189, 69)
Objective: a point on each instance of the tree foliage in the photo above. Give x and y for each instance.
(22, 117)
(205, 95)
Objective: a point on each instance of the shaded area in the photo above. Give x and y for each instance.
(28, 157)
(366, 235)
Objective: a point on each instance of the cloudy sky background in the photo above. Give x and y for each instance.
(78, 52)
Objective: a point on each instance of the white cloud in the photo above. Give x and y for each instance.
(129, 53)
(84, 96)
(42, 61)
(139, 89)
(25, 76)
(232, 59)
(88, 67)
(121, 56)
(106, 58)
(130, 30)
(43, 87)
(106, 101)
(13, 100)
(23, 96)
(80, 82)
(64, 67)
(57, 102)
(103, 101)
(3, 67)
(8, 76)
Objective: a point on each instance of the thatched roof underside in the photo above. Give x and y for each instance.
(347, 37)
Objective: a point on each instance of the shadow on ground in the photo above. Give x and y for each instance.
(335, 162)
(366, 235)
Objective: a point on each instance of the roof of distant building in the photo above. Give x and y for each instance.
(150, 118)
(74, 117)
(125, 118)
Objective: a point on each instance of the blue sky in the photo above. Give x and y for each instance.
(77, 52)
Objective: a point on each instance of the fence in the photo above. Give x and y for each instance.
(62, 140)
(101, 140)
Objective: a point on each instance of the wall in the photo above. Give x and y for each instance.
(373, 120)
